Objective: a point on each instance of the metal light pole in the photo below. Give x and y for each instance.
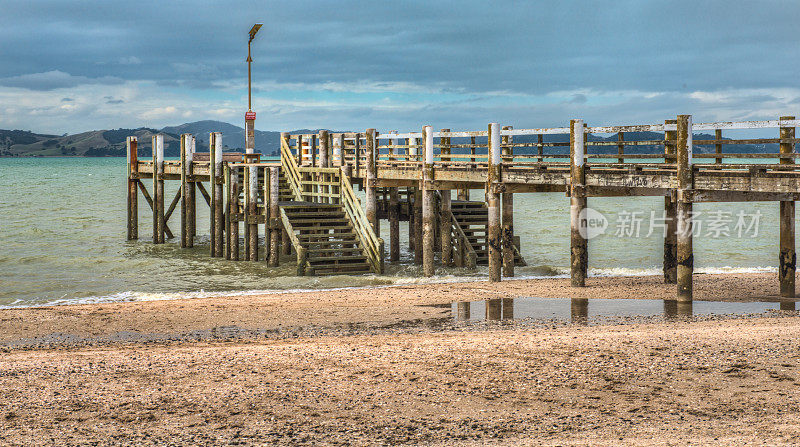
(251, 229)
(253, 32)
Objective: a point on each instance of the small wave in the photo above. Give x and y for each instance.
(377, 282)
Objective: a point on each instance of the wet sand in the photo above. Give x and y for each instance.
(720, 381)
(366, 307)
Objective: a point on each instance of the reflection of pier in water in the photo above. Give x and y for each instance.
(503, 309)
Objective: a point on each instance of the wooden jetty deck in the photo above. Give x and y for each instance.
(307, 205)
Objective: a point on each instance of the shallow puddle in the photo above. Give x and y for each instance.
(580, 310)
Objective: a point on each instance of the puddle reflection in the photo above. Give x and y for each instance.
(579, 311)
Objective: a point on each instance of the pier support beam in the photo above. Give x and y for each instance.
(158, 189)
(251, 215)
(493, 235)
(216, 195)
(508, 212)
(445, 222)
(787, 257)
(415, 218)
(579, 247)
(232, 180)
(191, 196)
(394, 224)
(184, 182)
(670, 216)
(133, 193)
(685, 252)
(428, 230)
(371, 179)
(274, 222)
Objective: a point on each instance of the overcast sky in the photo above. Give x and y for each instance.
(70, 66)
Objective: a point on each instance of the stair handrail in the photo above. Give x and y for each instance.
(371, 243)
(463, 241)
(302, 252)
(291, 170)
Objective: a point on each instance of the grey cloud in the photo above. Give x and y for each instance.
(52, 80)
(578, 98)
(514, 46)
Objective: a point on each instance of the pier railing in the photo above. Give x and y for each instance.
(646, 144)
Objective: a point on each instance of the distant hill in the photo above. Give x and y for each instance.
(105, 143)
(111, 143)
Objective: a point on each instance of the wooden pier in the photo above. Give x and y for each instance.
(306, 204)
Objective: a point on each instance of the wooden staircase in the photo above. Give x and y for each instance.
(324, 220)
(324, 236)
(473, 218)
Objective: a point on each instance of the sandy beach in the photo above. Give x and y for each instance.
(368, 366)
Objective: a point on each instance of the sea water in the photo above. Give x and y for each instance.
(63, 231)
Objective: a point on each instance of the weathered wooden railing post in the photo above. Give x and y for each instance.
(508, 211)
(621, 147)
(493, 236)
(275, 228)
(579, 254)
(232, 180)
(787, 256)
(445, 222)
(394, 216)
(338, 148)
(158, 189)
(670, 212)
(324, 162)
(463, 193)
(428, 242)
(133, 184)
(215, 179)
(371, 182)
(685, 173)
(415, 227)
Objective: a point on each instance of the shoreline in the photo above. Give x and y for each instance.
(337, 308)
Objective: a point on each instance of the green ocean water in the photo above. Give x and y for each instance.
(62, 240)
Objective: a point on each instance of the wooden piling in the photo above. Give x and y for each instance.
(133, 194)
(191, 199)
(685, 258)
(417, 234)
(233, 213)
(493, 237)
(371, 182)
(158, 189)
(428, 197)
(445, 223)
(670, 219)
(251, 214)
(217, 211)
(275, 227)
(184, 202)
(579, 254)
(508, 212)
(787, 256)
